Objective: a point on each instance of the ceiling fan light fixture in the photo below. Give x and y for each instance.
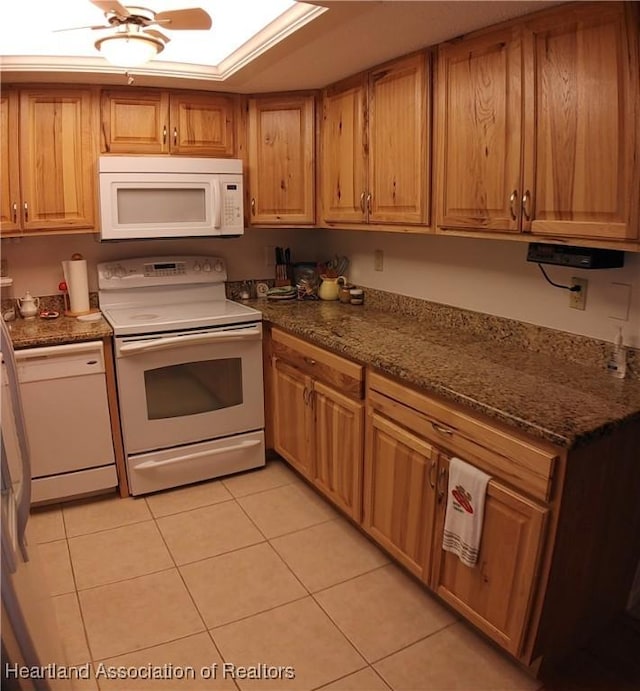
(129, 50)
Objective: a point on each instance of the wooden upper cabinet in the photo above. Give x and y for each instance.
(398, 142)
(10, 201)
(344, 151)
(480, 125)
(145, 121)
(581, 160)
(202, 124)
(539, 125)
(375, 145)
(57, 159)
(282, 160)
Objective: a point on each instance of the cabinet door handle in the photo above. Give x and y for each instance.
(441, 485)
(305, 395)
(164, 134)
(26, 212)
(526, 197)
(15, 212)
(253, 206)
(175, 136)
(369, 197)
(310, 361)
(362, 196)
(432, 479)
(512, 200)
(441, 429)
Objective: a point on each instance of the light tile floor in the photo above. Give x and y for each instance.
(257, 572)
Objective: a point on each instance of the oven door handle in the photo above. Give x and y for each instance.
(252, 333)
(247, 444)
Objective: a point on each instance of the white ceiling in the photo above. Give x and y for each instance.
(349, 37)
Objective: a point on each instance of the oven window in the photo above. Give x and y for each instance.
(193, 388)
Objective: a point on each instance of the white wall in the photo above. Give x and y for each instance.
(35, 262)
(490, 276)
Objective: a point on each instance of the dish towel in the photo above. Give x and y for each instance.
(465, 510)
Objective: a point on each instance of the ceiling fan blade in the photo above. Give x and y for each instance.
(75, 28)
(195, 18)
(157, 34)
(112, 6)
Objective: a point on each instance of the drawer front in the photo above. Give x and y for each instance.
(344, 375)
(516, 461)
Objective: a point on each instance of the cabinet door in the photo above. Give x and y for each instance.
(582, 168)
(398, 130)
(292, 419)
(399, 492)
(337, 467)
(344, 148)
(57, 159)
(10, 210)
(281, 160)
(480, 132)
(496, 594)
(202, 125)
(135, 122)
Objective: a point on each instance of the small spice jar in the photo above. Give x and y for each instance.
(357, 296)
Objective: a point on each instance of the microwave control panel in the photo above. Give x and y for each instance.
(232, 205)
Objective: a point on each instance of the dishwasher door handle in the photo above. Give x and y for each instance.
(150, 465)
(252, 333)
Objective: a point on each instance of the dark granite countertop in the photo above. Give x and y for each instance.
(543, 395)
(37, 332)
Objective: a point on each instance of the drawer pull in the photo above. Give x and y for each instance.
(310, 361)
(441, 429)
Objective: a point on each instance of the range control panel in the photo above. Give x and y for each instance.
(151, 271)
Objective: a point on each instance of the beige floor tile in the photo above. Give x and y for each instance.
(187, 498)
(383, 611)
(89, 684)
(71, 628)
(455, 658)
(57, 567)
(298, 635)
(142, 612)
(118, 554)
(364, 680)
(274, 474)
(240, 584)
(101, 513)
(208, 531)
(285, 509)
(329, 553)
(46, 524)
(183, 661)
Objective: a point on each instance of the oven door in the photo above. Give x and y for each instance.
(185, 387)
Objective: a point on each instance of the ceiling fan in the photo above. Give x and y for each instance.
(133, 42)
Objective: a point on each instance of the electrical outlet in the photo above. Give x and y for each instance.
(378, 260)
(578, 298)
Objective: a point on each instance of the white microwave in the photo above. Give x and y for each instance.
(169, 197)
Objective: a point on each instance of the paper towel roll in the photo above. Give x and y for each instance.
(75, 276)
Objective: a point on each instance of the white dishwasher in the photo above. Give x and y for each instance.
(66, 411)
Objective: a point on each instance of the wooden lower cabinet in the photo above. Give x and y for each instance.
(399, 492)
(317, 428)
(496, 594)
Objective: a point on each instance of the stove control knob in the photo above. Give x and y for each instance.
(218, 266)
(197, 267)
(107, 272)
(206, 267)
(119, 271)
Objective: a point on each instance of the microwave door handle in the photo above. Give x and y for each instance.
(217, 201)
(172, 341)
(247, 444)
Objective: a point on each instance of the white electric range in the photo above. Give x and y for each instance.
(189, 370)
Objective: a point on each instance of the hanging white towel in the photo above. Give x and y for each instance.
(465, 511)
